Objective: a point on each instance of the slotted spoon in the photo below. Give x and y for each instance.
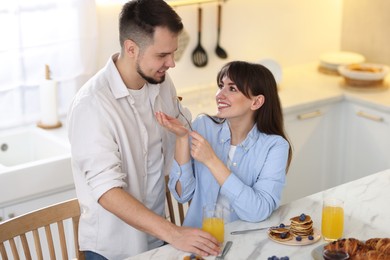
(199, 55)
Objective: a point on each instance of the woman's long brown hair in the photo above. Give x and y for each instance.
(254, 79)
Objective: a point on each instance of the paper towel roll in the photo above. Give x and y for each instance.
(48, 103)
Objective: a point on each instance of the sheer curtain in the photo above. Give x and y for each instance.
(59, 33)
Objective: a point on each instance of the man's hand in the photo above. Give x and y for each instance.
(195, 241)
(172, 124)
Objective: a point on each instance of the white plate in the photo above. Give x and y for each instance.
(305, 241)
(332, 60)
(364, 75)
(274, 67)
(316, 253)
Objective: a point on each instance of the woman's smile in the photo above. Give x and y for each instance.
(222, 105)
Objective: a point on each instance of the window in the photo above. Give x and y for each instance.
(59, 33)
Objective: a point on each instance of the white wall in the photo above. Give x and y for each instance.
(365, 29)
(292, 32)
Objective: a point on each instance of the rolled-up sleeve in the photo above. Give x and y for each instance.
(184, 174)
(95, 153)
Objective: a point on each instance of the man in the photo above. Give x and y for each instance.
(119, 152)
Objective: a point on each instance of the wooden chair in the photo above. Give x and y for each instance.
(17, 230)
(171, 207)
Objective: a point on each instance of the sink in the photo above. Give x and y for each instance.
(29, 145)
(33, 162)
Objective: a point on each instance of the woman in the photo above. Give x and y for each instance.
(240, 157)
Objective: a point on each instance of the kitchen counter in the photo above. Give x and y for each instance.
(304, 84)
(301, 86)
(366, 216)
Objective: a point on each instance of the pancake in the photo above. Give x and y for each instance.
(301, 226)
(280, 234)
(279, 230)
(297, 220)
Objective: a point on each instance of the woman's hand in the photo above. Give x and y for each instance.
(172, 124)
(201, 150)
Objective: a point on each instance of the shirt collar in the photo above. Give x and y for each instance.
(116, 84)
(224, 136)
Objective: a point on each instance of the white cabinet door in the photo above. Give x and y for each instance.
(367, 141)
(33, 204)
(314, 134)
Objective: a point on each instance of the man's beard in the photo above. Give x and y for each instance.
(150, 80)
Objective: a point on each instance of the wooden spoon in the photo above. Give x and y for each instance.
(199, 55)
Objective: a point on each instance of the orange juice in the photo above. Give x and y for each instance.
(214, 226)
(332, 222)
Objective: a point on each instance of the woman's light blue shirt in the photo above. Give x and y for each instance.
(258, 174)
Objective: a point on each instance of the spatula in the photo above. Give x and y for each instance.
(199, 55)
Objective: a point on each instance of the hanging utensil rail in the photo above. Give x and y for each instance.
(175, 3)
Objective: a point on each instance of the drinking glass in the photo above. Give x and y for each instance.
(332, 219)
(213, 221)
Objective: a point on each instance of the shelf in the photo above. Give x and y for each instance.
(175, 3)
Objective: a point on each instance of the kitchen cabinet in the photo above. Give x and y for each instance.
(314, 136)
(20, 208)
(367, 141)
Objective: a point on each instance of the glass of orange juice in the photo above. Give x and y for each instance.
(332, 219)
(213, 221)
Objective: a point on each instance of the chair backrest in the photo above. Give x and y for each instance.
(173, 209)
(18, 230)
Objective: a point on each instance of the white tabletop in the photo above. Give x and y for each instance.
(367, 215)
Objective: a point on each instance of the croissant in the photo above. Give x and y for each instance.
(380, 244)
(372, 249)
(352, 246)
(371, 255)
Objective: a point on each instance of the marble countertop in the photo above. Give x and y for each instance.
(301, 86)
(366, 216)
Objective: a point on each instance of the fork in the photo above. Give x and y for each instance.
(224, 251)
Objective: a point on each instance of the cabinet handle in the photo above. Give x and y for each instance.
(309, 115)
(11, 215)
(369, 116)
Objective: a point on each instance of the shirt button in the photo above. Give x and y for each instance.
(234, 164)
